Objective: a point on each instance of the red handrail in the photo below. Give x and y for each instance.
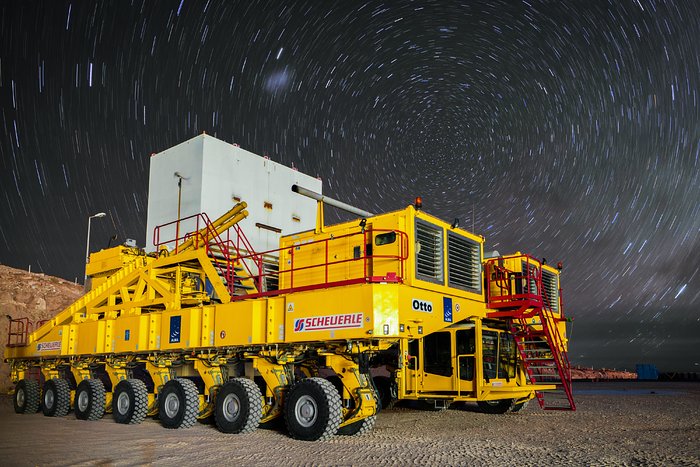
(507, 282)
(18, 332)
(244, 253)
(326, 263)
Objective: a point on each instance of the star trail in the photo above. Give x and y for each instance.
(568, 130)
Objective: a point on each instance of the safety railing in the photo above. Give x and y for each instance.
(326, 265)
(507, 288)
(229, 253)
(18, 331)
(202, 234)
(191, 225)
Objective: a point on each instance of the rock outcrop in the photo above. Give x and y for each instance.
(30, 295)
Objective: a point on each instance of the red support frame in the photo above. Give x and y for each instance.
(516, 287)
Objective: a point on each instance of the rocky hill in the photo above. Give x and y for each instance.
(34, 296)
(592, 374)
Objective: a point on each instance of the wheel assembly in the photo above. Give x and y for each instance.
(130, 402)
(27, 398)
(56, 401)
(178, 403)
(313, 410)
(89, 400)
(238, 406)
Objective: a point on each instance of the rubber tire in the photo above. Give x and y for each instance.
(28, 391)
(358, 428)
(59, 389)
(137, 396)
(327, 405)
(495, 407)
(383, 385)
(249, 410)
(94, 390)
(361, 426)
(519, 406)
(185, 391)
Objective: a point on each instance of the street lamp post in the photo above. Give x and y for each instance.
(87, 247)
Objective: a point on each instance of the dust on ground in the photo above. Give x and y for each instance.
(615, 424)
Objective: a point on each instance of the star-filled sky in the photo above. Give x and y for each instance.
(569, 130)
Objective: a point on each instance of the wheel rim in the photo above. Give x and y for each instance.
(172, 405)
(83, 400)
(20, 397)
(306, 411)
(123, 403)
(49, 399)
(232, 407)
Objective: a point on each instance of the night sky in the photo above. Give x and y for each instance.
(569, 130)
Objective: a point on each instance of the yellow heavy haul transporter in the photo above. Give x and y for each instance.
(394, 306)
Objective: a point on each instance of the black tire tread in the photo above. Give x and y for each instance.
(335, 407)
(256, 406)
(190, 403)
(96, 408)
(254, 409)
(61, 399)
(32, 396)
(333, 401)
(503, 406)
(519, 406)
(138, 393)
(382, 384)
(140, 401)
(358, 428)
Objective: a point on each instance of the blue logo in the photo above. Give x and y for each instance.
(175, 323)
(447, 307)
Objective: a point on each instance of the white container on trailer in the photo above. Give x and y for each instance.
(215, 176)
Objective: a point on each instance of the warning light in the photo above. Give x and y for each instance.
(419, 202)
(560, 266)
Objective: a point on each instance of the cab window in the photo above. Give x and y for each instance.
(490, 350)
(437, 353)
(466, 347)
(385, 238)
(507, 356)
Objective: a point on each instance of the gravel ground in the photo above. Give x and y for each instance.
(615, 424)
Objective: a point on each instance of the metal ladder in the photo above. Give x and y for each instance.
(544, 360)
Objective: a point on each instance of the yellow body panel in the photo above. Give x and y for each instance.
(130, 333)
(240, 323)
(373, 285)
(91, 338)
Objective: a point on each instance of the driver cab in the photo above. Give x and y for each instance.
(446, 363)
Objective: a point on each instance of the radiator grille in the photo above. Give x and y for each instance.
(529, 278)
(463, 263)
(550, 290)
(429, 263)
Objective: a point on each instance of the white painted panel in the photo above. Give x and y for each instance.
(185, 158)
(217, 172)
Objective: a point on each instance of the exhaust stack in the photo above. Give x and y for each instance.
(331, 202)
